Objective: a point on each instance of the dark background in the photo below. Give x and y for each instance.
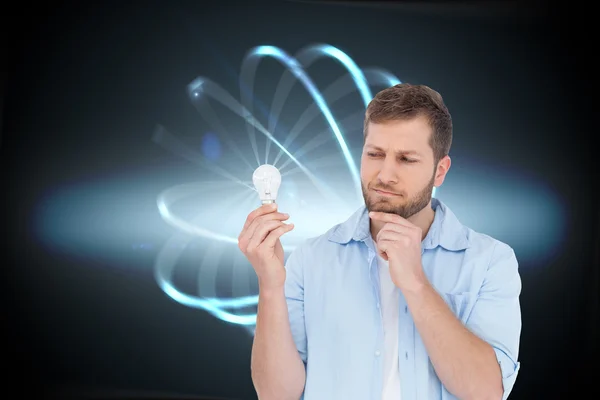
(86, 82)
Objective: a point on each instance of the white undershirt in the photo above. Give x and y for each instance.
(389, 311)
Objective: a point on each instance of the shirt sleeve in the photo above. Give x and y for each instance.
(496, 316)
(294, 295)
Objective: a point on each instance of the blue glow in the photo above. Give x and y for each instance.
(211, 146)
(526, 213)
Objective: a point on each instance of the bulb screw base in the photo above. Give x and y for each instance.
(267, 201)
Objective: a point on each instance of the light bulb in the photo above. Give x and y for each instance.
(267, 179)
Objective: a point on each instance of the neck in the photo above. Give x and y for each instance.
(423, 219)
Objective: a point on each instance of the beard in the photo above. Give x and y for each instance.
(389, 205)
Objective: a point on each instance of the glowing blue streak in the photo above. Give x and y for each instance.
(297, 70)
(211, 305)
(309, 55)
(238, 302)
(358, 77)
(306, 57)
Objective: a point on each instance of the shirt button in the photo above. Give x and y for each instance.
(405, 309)
(377, 353)
(406, 355)
(377, 305)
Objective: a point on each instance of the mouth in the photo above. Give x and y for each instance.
(384, 193)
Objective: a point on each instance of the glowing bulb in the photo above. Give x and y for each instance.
(266, 180)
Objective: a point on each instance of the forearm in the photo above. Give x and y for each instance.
(465, 364)
(277, 369)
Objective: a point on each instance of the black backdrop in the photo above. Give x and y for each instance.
(86, 82)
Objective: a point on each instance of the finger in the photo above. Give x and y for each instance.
(388, 217)
(250, 231)
(391, 236)
(272, 238)
(412, 234)
(262, 210)
(261, 233)
(393, 227)
(253, 219)
(382, 248)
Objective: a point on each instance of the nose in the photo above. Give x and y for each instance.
(388, 172)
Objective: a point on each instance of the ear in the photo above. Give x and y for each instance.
(441, 170)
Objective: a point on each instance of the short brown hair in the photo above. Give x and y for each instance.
(407, 101)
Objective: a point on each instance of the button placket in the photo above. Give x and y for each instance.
(373, 273)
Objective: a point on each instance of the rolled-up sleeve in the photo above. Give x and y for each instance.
(496, 316)
(294, 295)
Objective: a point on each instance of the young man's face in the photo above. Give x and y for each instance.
(397, 167)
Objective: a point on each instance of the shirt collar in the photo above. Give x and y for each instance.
(445, 231)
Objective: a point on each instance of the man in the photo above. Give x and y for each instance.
(401, 301)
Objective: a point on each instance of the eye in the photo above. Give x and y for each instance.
(374, 154)
(408, 160)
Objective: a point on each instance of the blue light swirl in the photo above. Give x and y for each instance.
(165, 262)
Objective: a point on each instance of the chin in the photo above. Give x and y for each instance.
(382, 206)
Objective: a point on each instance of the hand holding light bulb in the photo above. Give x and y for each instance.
(259, 239)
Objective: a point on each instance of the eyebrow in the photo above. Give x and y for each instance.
(399, 152)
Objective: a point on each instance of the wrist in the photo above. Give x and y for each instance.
(415, 286)
(270, 291)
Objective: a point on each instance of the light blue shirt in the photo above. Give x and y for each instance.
(332, 292)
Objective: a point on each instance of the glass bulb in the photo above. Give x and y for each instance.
(267, 180)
